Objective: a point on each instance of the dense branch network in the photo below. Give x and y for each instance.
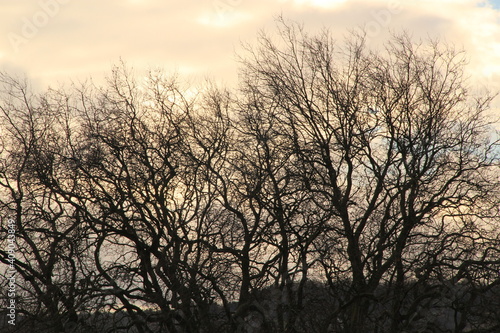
(336, 190)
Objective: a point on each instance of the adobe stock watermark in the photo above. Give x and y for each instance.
(32, 25)
(225, 8)
(382, 17)
(11, 271)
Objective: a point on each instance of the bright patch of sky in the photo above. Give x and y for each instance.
(495, 4)
(55, 41)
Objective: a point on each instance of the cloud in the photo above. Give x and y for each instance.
(83, 38)
(327, 4)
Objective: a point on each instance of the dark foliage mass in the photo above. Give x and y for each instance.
(338, 189)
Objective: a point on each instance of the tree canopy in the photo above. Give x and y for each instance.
(336, 189)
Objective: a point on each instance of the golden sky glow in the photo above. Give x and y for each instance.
(55, 41)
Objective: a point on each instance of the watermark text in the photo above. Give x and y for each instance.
(11, 271)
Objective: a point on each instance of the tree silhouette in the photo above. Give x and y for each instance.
(338, 189)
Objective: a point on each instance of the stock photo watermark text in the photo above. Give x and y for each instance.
(31, 25)
(11, 271)
(381, 18)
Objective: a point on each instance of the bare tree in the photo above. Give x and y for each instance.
(338, 189)
(50, 238)
(395, 148)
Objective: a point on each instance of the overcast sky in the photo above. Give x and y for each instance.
(55, 41)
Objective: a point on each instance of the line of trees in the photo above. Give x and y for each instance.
(337, 189)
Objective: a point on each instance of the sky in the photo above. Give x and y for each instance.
(54, 42)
